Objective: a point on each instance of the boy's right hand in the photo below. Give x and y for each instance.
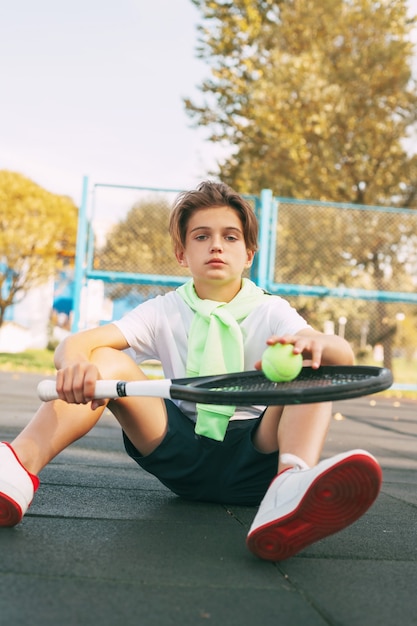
(76, 383)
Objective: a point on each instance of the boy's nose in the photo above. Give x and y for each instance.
(216, 244)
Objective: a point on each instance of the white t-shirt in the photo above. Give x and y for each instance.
(158, 329)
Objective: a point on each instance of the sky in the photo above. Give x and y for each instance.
(93, 88)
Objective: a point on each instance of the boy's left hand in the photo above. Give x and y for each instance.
(316, 348)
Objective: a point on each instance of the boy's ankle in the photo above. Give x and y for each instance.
(291, 461)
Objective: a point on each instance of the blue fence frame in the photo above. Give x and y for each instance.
(262, 271)
(268, 221)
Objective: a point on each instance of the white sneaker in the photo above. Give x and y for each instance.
(302, 506)
(17, 487)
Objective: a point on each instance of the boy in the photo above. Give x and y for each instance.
(214, 323)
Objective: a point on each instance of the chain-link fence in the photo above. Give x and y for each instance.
(352, 270)
(349, 270)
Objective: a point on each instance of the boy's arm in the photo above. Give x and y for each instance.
(76, 373)
(79, 347)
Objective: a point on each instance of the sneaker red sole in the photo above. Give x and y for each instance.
(10, 511)
(336, 499)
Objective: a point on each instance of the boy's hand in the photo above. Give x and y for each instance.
(316, 348)
(310, 346)
(76, 383)
(301, 345)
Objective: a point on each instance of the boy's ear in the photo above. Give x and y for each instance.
(180, 255)
(251, 256)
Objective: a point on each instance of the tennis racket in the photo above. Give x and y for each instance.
(246, 388)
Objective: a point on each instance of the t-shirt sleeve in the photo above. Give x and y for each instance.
(285, 319)
(158, 329)
(138, 328)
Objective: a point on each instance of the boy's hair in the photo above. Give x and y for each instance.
(207, 195)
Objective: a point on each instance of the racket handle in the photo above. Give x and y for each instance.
(47, 390)
(104, 389)
(109, 389)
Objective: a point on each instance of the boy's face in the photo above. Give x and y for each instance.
(215, 250)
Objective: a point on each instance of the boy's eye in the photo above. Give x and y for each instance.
(204, 236)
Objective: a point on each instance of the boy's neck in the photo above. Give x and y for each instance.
(218, 292)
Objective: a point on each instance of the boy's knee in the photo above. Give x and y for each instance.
(114, 364)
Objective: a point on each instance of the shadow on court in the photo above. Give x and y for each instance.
(104, 543)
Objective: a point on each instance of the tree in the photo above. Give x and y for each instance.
(140, 243)
(37, 230)
(315, 99)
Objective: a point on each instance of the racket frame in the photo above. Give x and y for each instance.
(326, 383)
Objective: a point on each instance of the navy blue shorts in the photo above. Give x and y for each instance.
(198, 468)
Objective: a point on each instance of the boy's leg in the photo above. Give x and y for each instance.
(300, 430)
(54, 427)
(58, 424)
(308, 500)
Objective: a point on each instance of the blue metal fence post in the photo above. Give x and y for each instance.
(80, 253)
(264, 237)
(253, 272)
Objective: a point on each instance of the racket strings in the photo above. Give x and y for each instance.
(258, 382)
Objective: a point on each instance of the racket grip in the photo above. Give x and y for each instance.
(47, 390)
(105, 389)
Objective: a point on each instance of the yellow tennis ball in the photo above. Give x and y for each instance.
(280, 364)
